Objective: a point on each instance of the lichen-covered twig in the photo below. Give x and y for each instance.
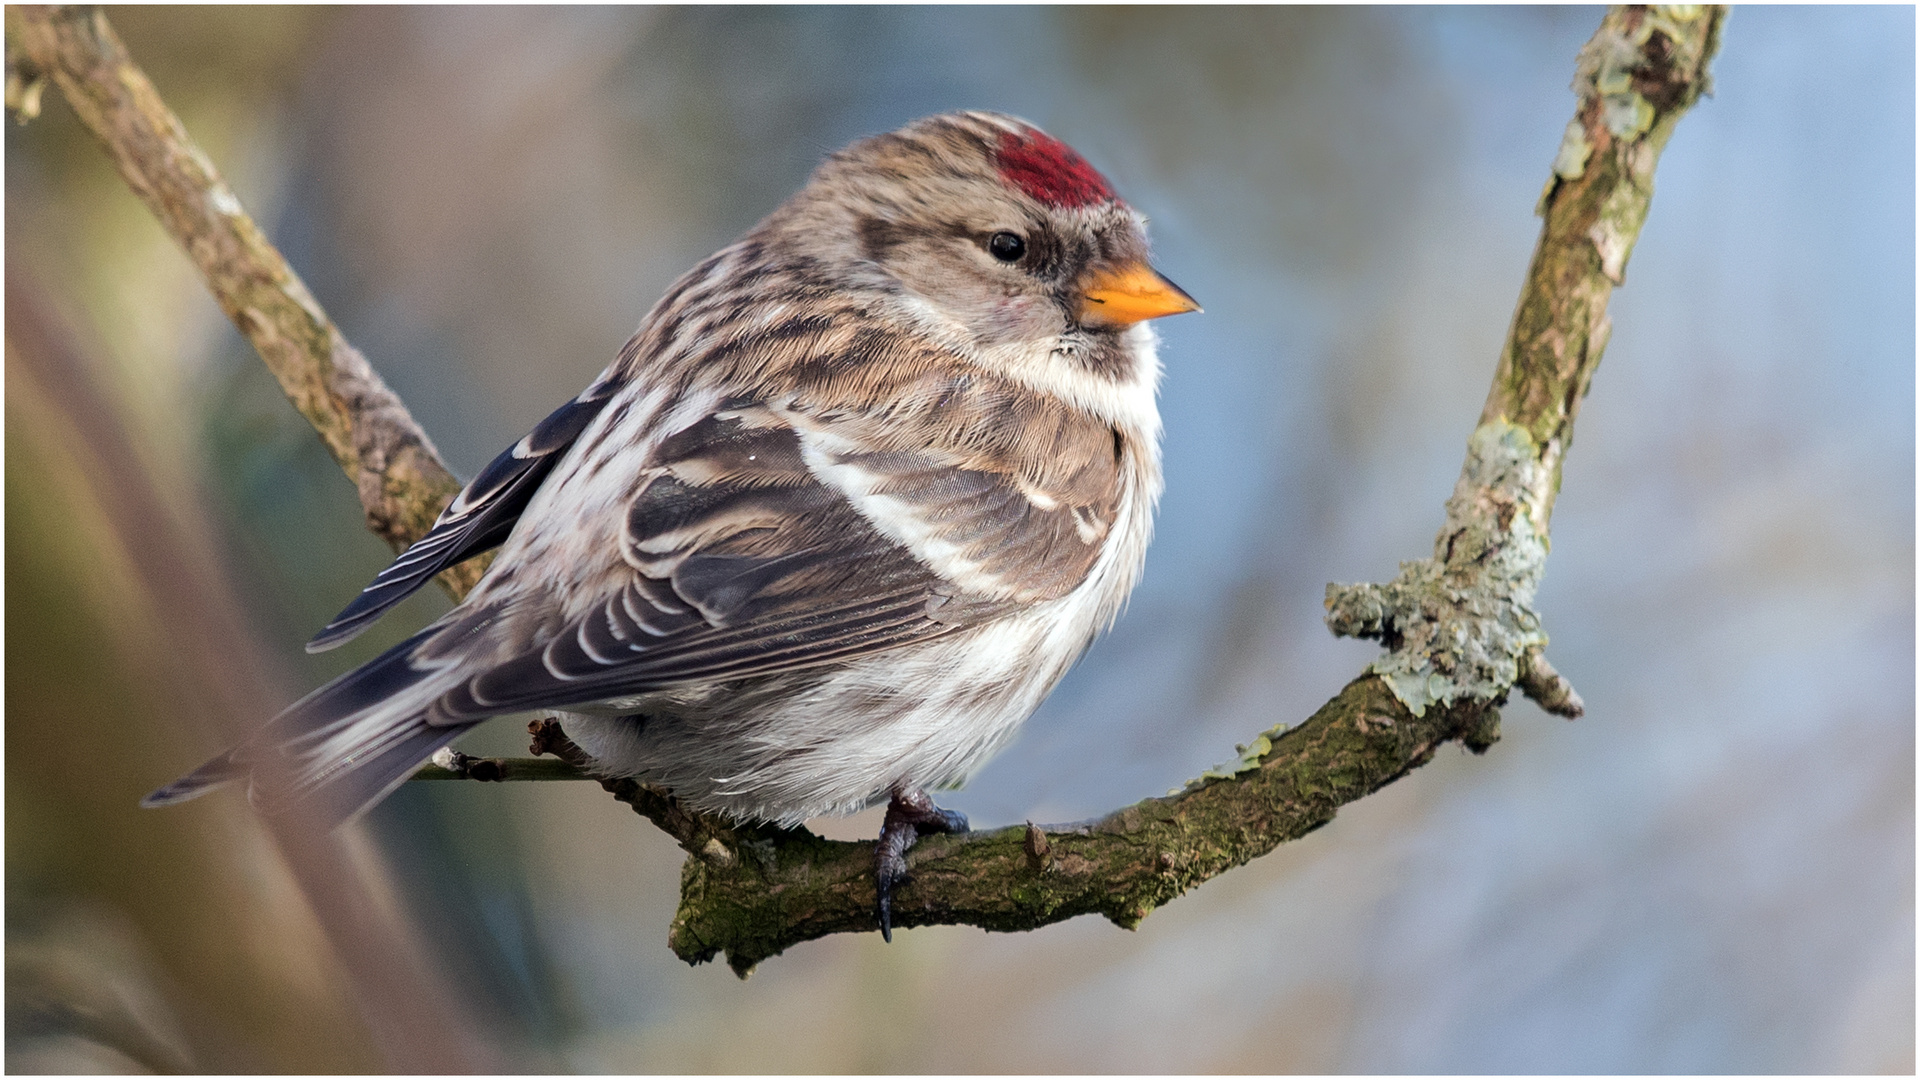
(399, 475)
(1461, 625)
(1460, 628)
(752, 891)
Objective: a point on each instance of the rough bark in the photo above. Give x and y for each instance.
(1460, 627)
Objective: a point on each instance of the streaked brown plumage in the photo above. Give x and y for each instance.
(859, 490)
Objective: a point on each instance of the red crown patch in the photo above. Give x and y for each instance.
(1050, 171)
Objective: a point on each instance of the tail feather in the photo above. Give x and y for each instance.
(220, 770)
(336, 752)
(346, 793)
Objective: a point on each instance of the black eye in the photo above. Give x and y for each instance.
(1006, 247)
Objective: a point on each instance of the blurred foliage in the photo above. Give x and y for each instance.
(174, 940)
(135, 940)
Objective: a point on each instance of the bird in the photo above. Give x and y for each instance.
(858, 492)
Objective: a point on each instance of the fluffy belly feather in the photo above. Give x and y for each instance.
(834, 740)
(792, 747)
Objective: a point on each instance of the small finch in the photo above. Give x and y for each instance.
(846, 507)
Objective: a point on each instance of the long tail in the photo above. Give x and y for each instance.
(339, 750)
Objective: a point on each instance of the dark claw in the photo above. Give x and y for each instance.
(890, 865)
(909, 814)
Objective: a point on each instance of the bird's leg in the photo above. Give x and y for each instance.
(909, 814)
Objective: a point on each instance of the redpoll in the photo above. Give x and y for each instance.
(845, 508)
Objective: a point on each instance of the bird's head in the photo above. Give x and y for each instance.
(988, 226)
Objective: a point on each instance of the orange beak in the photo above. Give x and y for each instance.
(1122, 295)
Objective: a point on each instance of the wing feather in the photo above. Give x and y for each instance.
(478, 519)
(758, 542)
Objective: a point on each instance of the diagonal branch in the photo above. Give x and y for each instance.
(1460, 626)
(402, 482)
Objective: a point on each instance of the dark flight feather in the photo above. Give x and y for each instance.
(479, 518)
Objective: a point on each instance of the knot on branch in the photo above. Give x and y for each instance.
(1039, 851)
(463, 766)
(396, 468)
(1645, 59)
(1461, 625)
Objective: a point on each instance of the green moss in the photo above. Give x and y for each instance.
(1250, 756)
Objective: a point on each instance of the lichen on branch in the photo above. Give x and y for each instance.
(752, 892)
(1460, 627)
(1641, 71)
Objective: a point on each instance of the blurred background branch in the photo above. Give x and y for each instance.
(1642, 70)
(124, 524)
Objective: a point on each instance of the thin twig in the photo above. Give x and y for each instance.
(451, 764)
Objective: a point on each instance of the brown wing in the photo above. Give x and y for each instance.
(744, 564)
(1012, 492)
(772, 537)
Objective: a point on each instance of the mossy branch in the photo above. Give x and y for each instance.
(1460, 626)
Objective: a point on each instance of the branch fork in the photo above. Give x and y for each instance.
(1460, 627)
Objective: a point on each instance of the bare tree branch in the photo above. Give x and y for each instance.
(402, 482)
(1460, 627)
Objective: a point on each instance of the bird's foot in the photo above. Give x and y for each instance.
(909, 814)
